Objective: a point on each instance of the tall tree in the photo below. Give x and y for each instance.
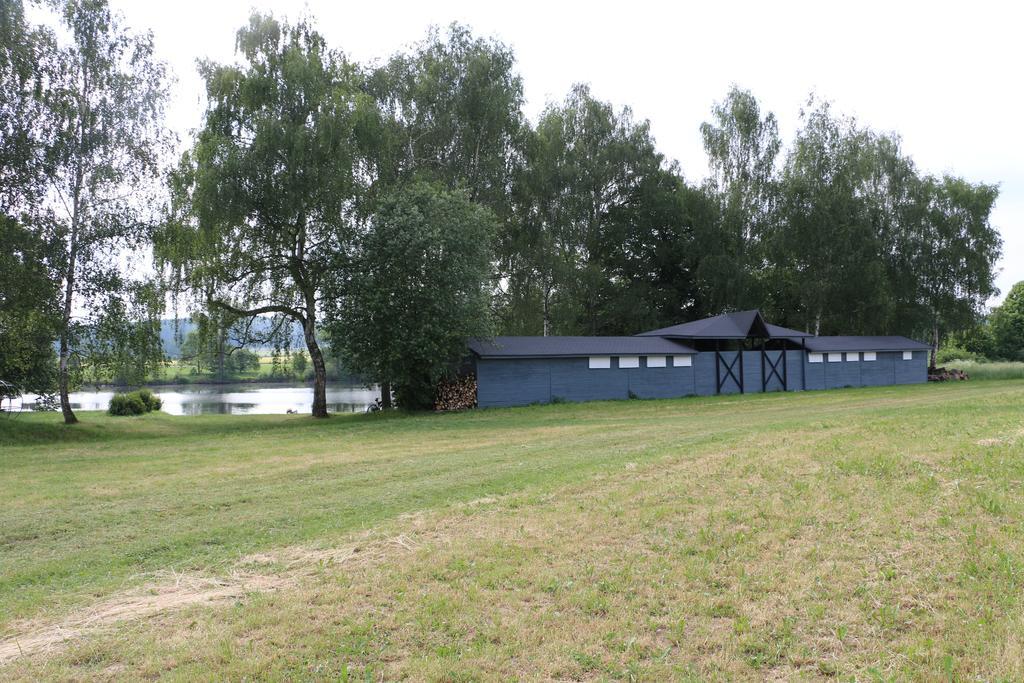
(453, 112)
(266, 201)
(29, 314)
(107, 100)
(956, 251)
(418, 290)
(585, 161)
(1007, 325)
(742, 146)
(827, 252)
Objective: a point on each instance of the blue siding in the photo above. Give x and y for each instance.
(879, 372)
(572, 380)
(911, 371)
(704, 371)
(506, 382)
(513, 382)
(841, 374)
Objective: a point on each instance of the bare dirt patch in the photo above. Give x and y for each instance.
(285, 567)
(34, 638)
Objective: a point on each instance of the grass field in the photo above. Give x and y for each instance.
(990, 370)
(863, 534)
(183, 372)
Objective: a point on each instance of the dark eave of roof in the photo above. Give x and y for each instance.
(739, 325)
(569, 347)
(866, 343)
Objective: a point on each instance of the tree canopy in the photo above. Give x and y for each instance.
(265, 202)
(417, 292)
(401, 206)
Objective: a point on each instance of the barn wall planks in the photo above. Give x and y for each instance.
(516, 382)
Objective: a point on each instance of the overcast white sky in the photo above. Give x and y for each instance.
(944, 76)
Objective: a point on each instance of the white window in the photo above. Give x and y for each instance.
(655, 361)
(835, 357)
(682, 361)
(908, 355)
(815, 358)
(869, 355)
(853, 356)
(629, 361)
(600, 362)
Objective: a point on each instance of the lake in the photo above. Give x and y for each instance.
(243, 399)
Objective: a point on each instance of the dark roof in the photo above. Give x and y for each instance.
(739, 325)
(553, 347)
(849, 343)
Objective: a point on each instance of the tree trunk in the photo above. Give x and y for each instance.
(65, 355)
(547, 310)
(935, 343)
(385, 394)
(63, 371)
(319, 368)
(63, 374)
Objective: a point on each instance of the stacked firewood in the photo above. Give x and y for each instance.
(946, 375)
(456, 394)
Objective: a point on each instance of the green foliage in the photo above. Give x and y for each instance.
(263, 202)
(29, 317)
(29, 257)
(126, 404)
(742, 146)
(300, 363)
(603, 234)
(417, 292)
(85, 113)
(451, 111)
(1007, 325)
(863, 243)
(134, 403)
(950, 354)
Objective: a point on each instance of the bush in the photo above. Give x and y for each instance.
(949, 354)
(126, 404)
(151, 400)
(134, 403)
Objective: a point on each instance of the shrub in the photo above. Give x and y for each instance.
(949, 354)
(151, 400)
(134, 403)
(126, 404)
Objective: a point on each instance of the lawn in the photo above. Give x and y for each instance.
(867, 534)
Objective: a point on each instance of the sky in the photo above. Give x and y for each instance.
(944, 76)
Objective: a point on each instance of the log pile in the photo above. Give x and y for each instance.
(946, 375)
(458, 393)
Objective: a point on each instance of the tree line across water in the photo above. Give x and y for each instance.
(399, 207)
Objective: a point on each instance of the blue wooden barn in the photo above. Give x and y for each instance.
(726, 354)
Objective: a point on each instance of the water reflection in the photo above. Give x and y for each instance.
(238, 399)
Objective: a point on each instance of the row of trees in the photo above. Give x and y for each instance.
(997, 336)
(841, 234)
(81, 140)
(405, 206)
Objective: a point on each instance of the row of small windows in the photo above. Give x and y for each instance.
(852, 356)
(604, 362)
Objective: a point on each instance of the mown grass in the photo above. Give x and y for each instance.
(868, 534)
